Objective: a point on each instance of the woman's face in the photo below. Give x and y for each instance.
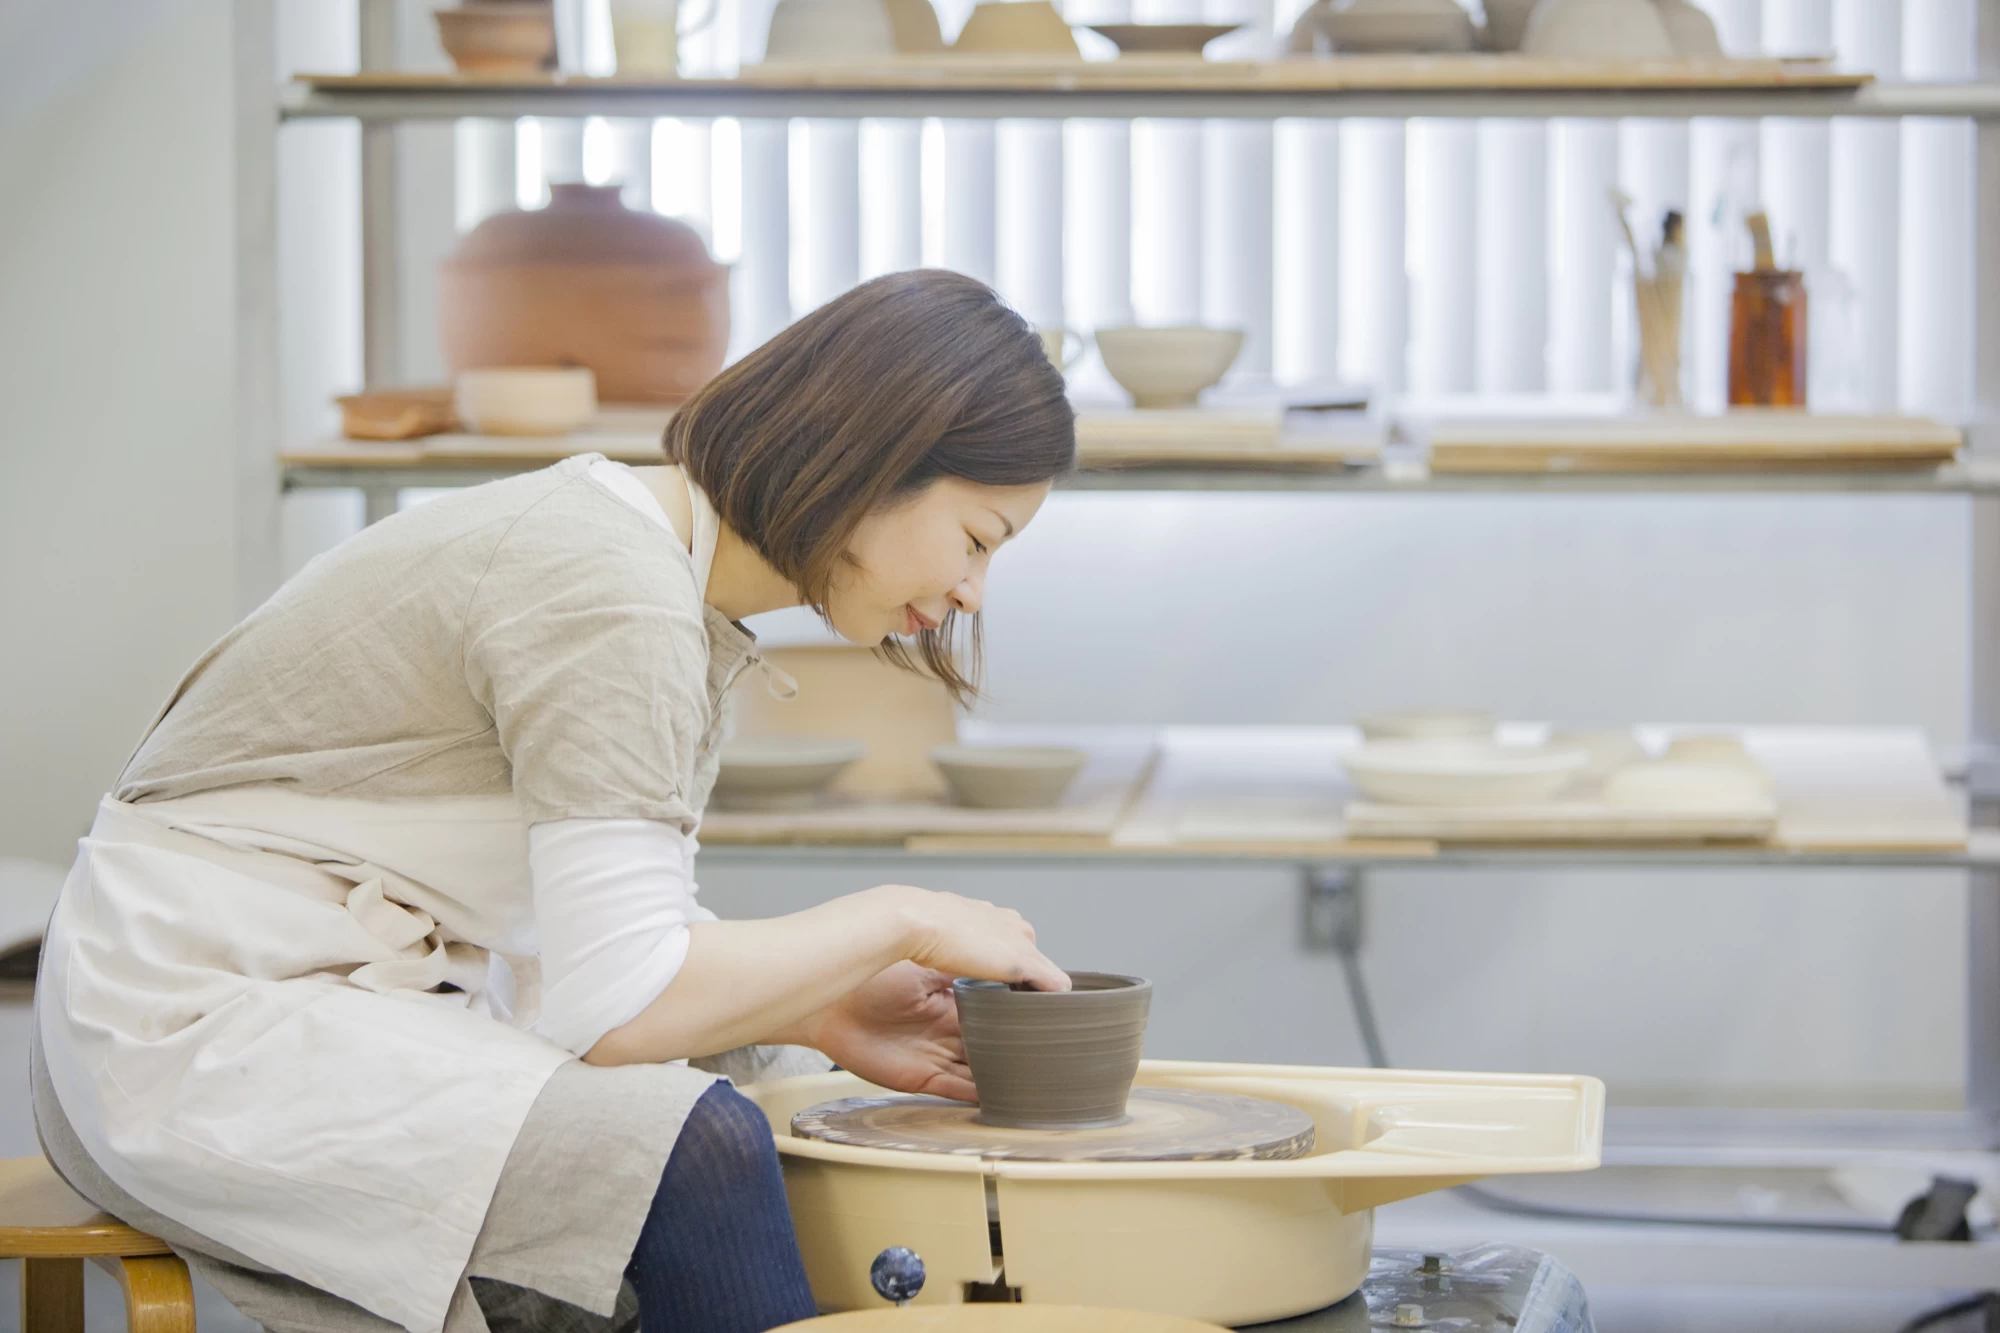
(926, 555)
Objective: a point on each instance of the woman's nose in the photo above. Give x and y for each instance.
(969, 594)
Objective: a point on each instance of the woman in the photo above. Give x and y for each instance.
(373, 987)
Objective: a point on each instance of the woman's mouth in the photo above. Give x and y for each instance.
(914, 620)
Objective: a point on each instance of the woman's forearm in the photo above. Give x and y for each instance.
(745, 982)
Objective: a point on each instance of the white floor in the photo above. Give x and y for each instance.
(1622, 1301)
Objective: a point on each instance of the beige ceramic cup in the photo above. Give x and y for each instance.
(1056, 342)
(1054, 1059)
(1168, 367)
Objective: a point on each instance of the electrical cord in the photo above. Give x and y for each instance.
(1348, 950)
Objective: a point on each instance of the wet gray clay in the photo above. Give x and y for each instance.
(1054, 1059)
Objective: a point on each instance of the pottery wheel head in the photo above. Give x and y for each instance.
(1162, 1125)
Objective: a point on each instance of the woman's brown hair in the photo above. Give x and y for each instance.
(878, 393)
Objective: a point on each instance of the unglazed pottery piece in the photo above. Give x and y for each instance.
(498, 38)
(913, 24)
(1690, 28)
(1428, 726)
(1597, 30)
(1054, 1059)
(829, 31)
(1161, 1125)
(1008, 777)
(1606, 749)
(525, 400)
(1717, 747)
(1507, 23)
(1016, 27)
(1363, 26)
(1056, 346)
(1460, 772)
(780, 772)
(631, 295)
(1671, 784)
(1163, 38)
(1168, 367)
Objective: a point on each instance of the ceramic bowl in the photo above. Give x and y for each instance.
(498, 38)
(1168, 367)
(1685, 788)
(1507, 23)
(1690, 29)
(1597, 30)
(781, 772)
(1606, 749)
(829, 32)
(1163, 38)
(1433, 726)
(1460, 772)
(1370, 26)
(1007, 777)
(1054, 1059)
(525, 400)
(1016, 27)
(396, 414)
(1725, 748)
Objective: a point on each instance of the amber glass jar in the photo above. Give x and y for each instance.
(1767, 339)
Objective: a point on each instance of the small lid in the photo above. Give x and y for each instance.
(583, 224)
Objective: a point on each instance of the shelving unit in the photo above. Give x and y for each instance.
(1472, 87)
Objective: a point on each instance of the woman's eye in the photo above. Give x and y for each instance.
(978, 547)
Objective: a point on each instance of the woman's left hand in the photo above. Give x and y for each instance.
(898, 1029)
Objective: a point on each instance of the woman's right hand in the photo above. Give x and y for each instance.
(968, 937)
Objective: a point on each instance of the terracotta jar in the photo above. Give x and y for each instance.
(588, 282)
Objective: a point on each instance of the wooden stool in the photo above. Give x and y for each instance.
(52, 1230)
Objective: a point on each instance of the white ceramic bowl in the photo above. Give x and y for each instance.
(1460, 772)
(1168, 367)
(525, 400)
(1007, 777)
(1428, 726)
(829, 32)
(1606, 749)
(780, 772)
(1597, 30)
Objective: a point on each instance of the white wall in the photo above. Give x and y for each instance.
(117, 372)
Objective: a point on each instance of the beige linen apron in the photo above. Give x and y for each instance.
(298, 1025)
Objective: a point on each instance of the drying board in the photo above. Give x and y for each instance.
(1220, 437)
(1837, 789)
(1162, 1125)
(1574, 821)
(1670, 442)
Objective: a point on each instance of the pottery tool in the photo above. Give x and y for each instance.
(1162, 1125)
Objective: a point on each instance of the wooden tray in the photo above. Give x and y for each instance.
(1742, 439)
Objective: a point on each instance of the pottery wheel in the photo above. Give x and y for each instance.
(1163, 1125)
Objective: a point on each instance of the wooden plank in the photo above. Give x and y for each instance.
(1666, 443)
(1370, 73)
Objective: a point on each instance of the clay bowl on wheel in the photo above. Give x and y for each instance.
(780, 772)
(1008, 777)
(1054, 1059)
